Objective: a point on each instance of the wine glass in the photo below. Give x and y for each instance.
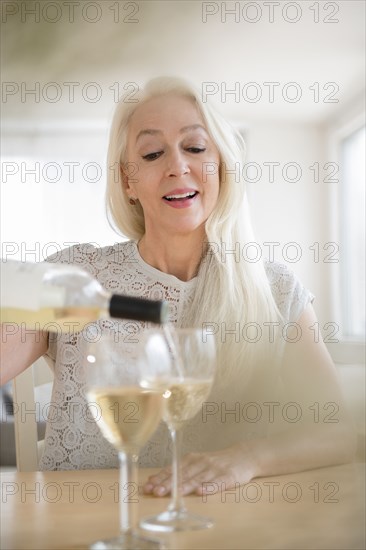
(194, 365)
(124, 387)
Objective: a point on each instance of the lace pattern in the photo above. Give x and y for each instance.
(73, 439)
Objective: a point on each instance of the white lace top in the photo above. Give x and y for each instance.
(73, 440)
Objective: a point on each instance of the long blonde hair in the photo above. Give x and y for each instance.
(228, 291)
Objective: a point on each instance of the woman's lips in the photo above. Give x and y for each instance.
(180, 198)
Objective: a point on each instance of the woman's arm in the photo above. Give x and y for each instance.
(323, 436)
(19, 348)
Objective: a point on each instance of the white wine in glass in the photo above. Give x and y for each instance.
(125, 395)
(194, 363)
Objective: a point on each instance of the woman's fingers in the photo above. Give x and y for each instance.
(202, 473)
(157, 480)
(161, 483)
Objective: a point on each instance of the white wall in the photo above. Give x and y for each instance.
(288, 211)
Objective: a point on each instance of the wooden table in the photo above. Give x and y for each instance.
(319, 509)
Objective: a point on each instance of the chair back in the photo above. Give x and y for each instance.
(28, 413)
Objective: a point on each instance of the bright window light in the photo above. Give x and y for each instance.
(352, 215)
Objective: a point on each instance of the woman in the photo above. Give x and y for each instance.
(175, 194)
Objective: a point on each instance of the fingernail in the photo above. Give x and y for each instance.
(161, 490)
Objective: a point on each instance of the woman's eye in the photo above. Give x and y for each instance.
(196, 149)
(152, 156)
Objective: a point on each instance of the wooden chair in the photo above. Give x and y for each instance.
(27, 447)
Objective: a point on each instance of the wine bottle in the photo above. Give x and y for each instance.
(63, 298)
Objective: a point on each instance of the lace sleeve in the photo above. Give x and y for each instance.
(289, 293)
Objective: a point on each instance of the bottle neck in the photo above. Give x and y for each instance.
(138, 309)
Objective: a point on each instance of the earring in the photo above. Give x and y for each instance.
(132, 202)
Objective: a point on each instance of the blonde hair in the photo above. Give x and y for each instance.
(228, 291)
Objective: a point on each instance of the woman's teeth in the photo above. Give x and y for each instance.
(180, 196)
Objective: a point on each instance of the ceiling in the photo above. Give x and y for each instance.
(319, 63)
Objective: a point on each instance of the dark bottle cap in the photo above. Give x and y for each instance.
(138, 309)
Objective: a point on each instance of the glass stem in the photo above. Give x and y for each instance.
(128, 492)
(176, 503)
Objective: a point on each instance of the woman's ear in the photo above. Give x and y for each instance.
(127, 180)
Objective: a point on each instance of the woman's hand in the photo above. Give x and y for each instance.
(203, 472)
(293, 450)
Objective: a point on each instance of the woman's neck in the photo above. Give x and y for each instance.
(178, 255)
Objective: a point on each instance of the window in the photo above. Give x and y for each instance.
(352, 232)
(53, 186)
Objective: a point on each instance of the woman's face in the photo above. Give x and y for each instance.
(174, 170)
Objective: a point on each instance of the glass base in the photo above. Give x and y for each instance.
(173, 520)
(127, 542)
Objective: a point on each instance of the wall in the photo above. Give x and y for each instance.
(288, 211)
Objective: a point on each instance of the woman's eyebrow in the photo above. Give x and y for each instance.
(152, 131)
(192, 127)
(148, 131)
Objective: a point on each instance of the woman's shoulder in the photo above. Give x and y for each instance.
(289, 293)
(279, 275)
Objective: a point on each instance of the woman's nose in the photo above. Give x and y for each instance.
(177, 164)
